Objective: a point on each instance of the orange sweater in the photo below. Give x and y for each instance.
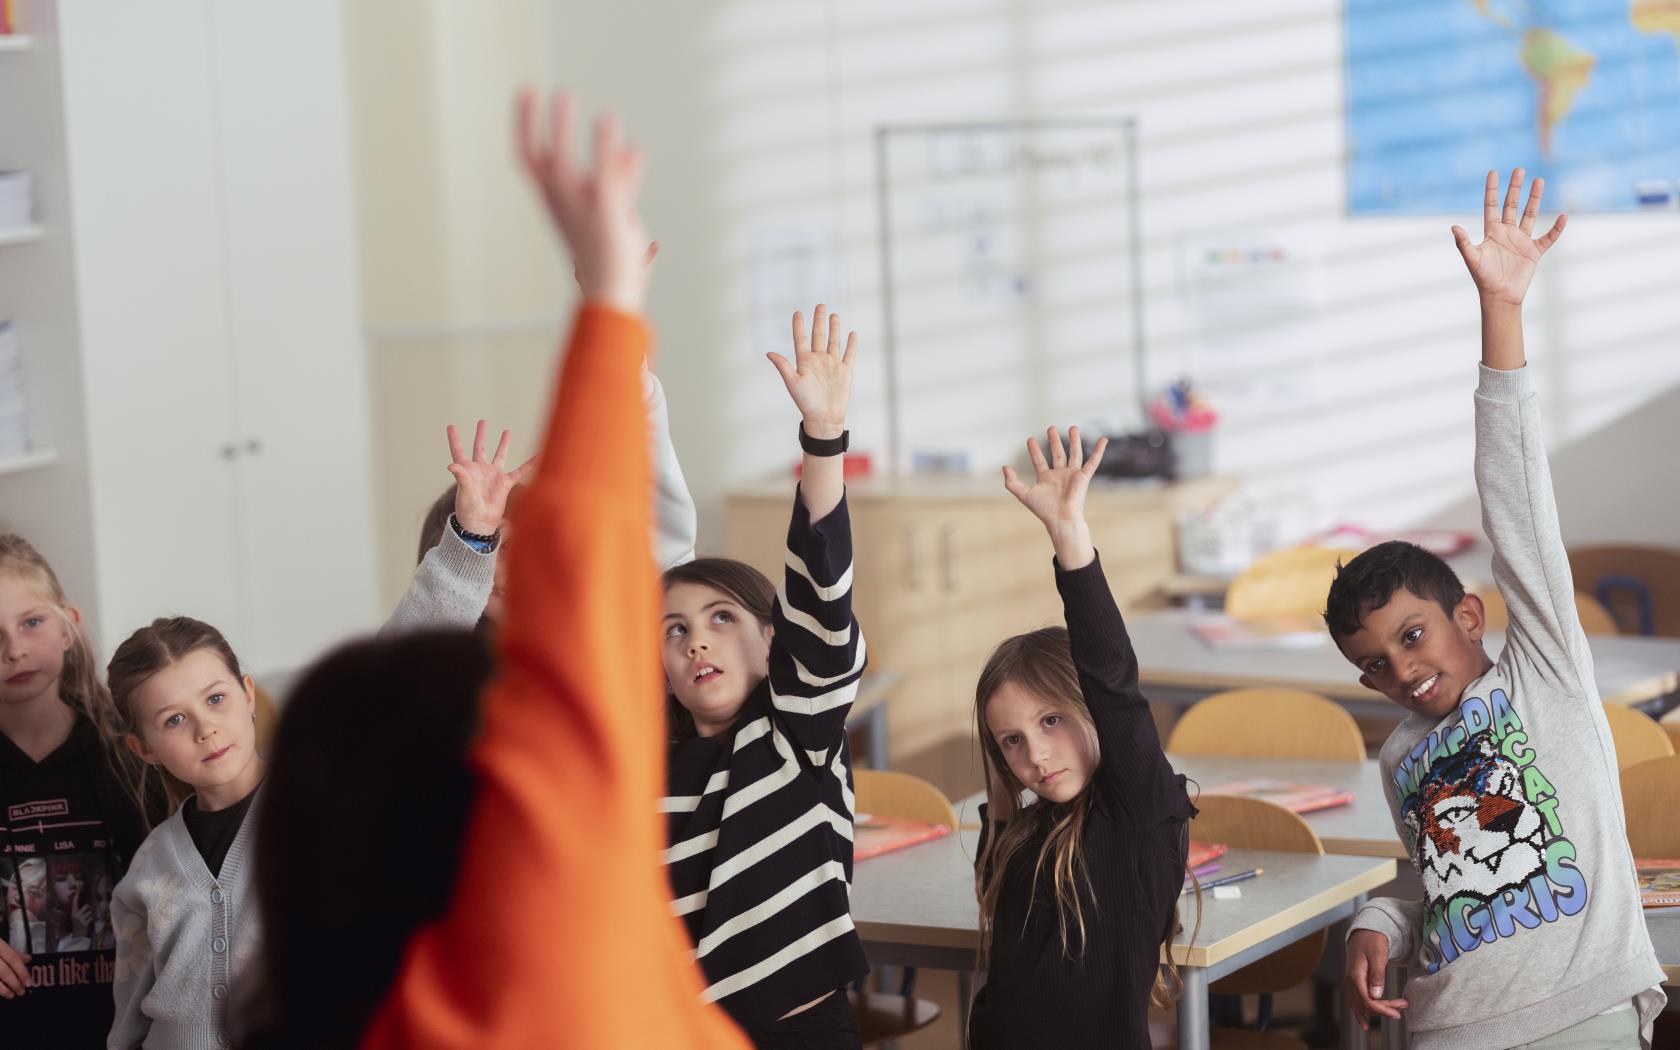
(561, 932)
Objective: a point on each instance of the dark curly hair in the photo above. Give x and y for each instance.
(1370, 580)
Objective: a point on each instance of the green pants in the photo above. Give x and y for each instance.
(1616, 1030)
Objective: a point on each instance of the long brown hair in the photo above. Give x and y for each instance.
(1041, 662)
(79, 683)
(743, 585)
(150, 650)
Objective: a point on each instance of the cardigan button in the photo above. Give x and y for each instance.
(219, 945)
(215, 896)
(220, 991)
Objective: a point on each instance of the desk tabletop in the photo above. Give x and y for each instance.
(924, 895)
(1629, 670)
(1362, 828)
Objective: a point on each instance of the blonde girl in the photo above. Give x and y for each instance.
(71, 799)
(1079, 887)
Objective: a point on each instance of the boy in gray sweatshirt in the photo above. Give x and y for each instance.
(1502, 780)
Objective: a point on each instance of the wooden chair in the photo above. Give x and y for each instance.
(1251, 823)
(883, 1016)
(1671, 724)
(1595, 618)
(1639, 585)
(1285, 583)
(1637, 735)
(1268, 723)
(1651, 798)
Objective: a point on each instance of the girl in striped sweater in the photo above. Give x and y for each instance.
(759, 794)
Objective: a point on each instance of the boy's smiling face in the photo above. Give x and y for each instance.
(1411, 651)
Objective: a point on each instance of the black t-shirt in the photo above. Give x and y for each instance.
(214, 832)
(67, 832)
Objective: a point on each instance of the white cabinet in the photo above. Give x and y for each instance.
(207, 207)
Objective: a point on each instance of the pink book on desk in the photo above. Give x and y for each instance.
(1659, 883)
(1299, 798)
(1292, 632)
(873, 836)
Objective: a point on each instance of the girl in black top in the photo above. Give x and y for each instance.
(1079, 888)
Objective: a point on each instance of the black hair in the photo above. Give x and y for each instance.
(1371, 578)
(359, 831)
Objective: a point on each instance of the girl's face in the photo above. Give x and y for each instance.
(67, 886)
(1044, 744)
(33, 641)
(715, 653)
(195, 718)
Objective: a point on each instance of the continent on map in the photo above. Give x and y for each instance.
(1562, 70)
(1657, 16)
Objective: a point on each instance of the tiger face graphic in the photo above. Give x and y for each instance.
(1473, 830)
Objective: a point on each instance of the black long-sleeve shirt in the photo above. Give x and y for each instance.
(1135, 840)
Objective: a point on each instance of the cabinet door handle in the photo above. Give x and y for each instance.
(912, 563)
(230, 451)
(253, 446)
(948, 555)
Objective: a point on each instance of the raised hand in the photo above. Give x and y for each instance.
(1503, 264)
(593, 208)
(481, 485)
(820, 378)
(1056, 496)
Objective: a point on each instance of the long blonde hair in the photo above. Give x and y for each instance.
(80, 685)
(1041, 662)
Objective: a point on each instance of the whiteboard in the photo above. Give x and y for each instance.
(1012, 283)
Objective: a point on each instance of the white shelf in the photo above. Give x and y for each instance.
(13, 42)
(40, 457)
(20, 234)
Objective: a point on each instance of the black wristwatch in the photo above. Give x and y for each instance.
(824, 446)
(477, 541)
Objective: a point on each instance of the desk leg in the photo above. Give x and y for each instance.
(1394, 986)
(875, 726)
(1193, 1032)
(1353, 1037)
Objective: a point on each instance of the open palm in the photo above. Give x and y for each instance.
(1503, 264)
(1057, 493)
(820, 377)
(482, 482)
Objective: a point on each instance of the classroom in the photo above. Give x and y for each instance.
(971, 524)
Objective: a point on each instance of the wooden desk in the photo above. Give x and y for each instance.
(916, 907)
(1176, 667)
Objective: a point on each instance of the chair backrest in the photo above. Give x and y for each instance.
(1650, 798)
(1671, 723)
(1639, 585)
(888, 793)
(1291, 582)
(1637, 735)
(1595, 618)
(1252, 823)
(1268, 723)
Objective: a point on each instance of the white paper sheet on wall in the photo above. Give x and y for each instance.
(794, 268)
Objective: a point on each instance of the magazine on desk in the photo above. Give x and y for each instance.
(873, 835)
(1290, 632)
(1659, 883)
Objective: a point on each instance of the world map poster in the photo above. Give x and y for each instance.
(1585, 93)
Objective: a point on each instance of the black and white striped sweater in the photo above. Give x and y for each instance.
(760, 818)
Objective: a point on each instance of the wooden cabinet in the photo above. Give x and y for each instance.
(945, 569)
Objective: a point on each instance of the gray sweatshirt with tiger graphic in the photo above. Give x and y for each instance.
(1511, 806)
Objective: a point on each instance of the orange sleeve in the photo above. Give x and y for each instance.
(561, 932)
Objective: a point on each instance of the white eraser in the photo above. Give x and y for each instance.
(1227, 893)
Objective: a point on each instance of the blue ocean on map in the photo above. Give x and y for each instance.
(1585, 94)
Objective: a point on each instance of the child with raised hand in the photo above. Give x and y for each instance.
(759, 791)
(74, 807)
(1078, 889)
(182, 914)
(538, 916)
(461, 577)
(1502, 779)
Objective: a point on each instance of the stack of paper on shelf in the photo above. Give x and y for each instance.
(14, 412)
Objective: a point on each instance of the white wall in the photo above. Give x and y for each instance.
(759, 114)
